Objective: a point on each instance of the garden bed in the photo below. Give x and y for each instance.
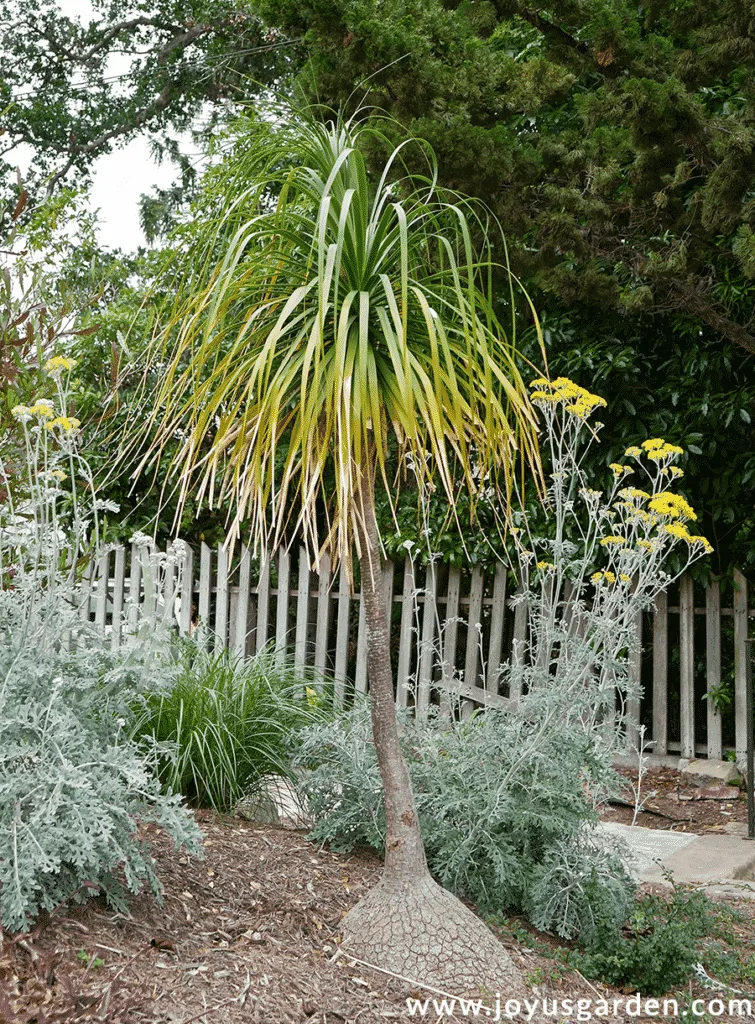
(247, 934)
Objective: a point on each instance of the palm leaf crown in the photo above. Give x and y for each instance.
(327, 318)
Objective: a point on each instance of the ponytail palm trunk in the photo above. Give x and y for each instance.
(329, 325)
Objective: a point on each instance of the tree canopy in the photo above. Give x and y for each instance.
(614, 141)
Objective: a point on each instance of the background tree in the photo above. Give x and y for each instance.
(614, 141)
(73, 90)
(330, 328)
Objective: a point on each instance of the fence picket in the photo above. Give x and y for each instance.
(713, 664)
(323, 615)
(660, 674)
(134, 589)
(687, 666)
(450, 637)
(187, 590)
(242, 604)
(103, 581)
(302, 612)
(635, 679)
(119, 579)
(740, 662)
(221, 598)
(205, 588)
(497, 614)
(518, 652)
(405, 634)
(281, 609)
(426, 657)
(263, 601)
(360, 672)
(342, 636)
(474, 615)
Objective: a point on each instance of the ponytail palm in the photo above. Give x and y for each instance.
(329, 322)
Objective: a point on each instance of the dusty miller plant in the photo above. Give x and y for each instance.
(508, 799)
(73, 786)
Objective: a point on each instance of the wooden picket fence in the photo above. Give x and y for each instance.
(314, 620)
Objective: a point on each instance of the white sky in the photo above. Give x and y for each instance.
(122, 176)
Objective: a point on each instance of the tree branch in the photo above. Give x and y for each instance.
(159, 104)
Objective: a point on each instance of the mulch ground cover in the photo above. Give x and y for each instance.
(249, 933)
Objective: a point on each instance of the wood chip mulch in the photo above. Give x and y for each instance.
(248, 934)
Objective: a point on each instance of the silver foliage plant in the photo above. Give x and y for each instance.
(73, 786)
(508, 799)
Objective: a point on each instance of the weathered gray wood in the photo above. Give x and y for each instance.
(518, 651)
(221, 598)
(713, 665)
(687, 666)
(242, 603)
(134, 589)
(302, 611)
(119, 580)
(148, 584)
(342, 637)
(233, 605)
(449, 638)
(360, 672)
(168, 587)
(281, 609)
(740, 663)
(403, 683)
(263, 601)
(103, 581)
(472, 654)
(427, 643)
(497, 615)
(187, 590)
(635, 679)
(205, 588)
(85, 592)
(323, 615)
(660, 674)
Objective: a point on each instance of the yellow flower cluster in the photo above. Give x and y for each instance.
(576, 400)
(620, 470)
(656, 449)
(58, 365)
(648, 545)
(42, 407)
(598, 577)
(68, 424)
(633, 492)
(672, 505)
(545, 565)
(680, 531)
(614, 539)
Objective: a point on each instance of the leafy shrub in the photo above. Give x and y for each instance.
(224, 724)
(657, 948)
(72, 786)
(505, 802)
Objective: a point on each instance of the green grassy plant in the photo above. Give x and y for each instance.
(223, 724)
